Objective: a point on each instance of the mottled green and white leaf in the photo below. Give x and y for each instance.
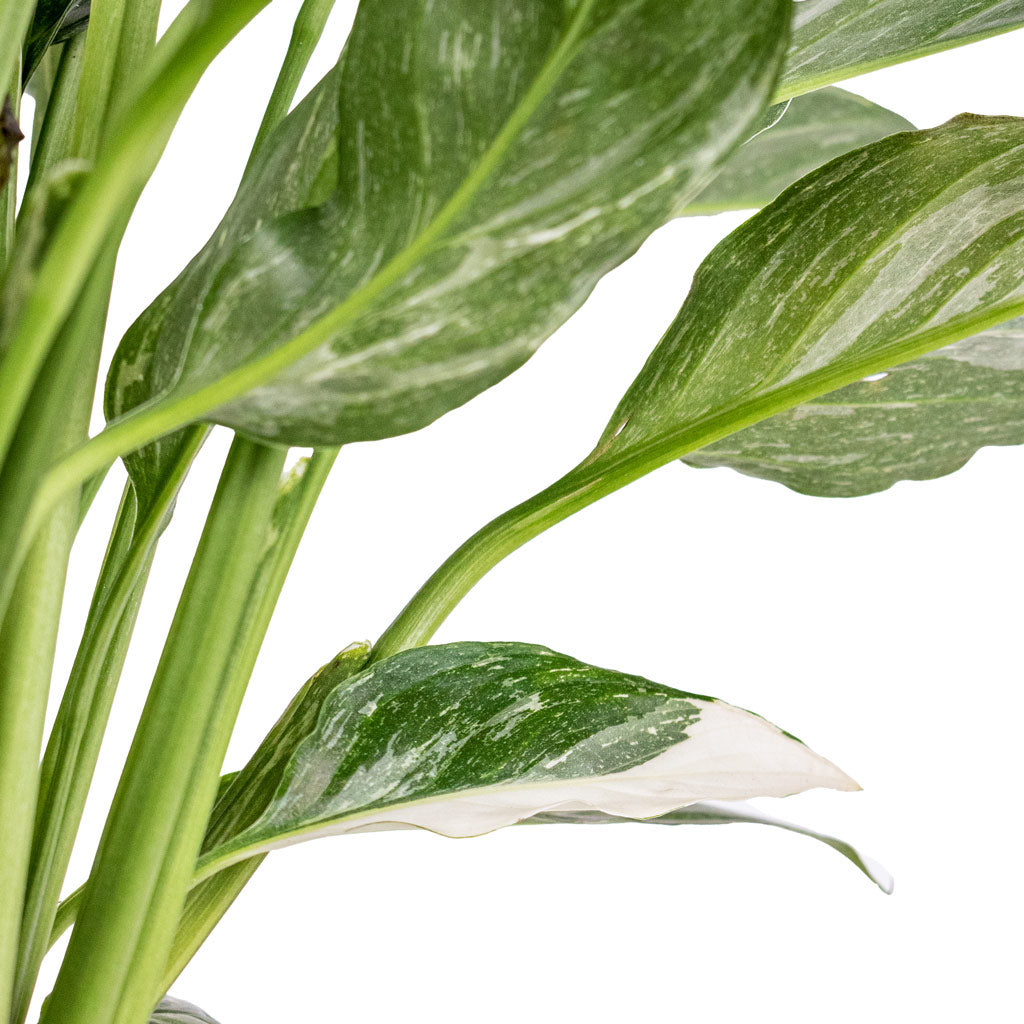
(177, 1011)
(810, 131)
(884, 254)
(466, 738)
(722, 814)
(918, 421)
(837, 39)
(496, 161)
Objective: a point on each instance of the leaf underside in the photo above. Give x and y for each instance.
(918, 421)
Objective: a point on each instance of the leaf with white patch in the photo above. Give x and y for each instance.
(837, 39)
(810, 131)
(467, 738)
(918, 421)
(496, 161)
(722, 814)
(177, 1011)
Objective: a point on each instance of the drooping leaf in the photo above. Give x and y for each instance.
(918, 421)
(177, 1011)
(54, 21)
(295, 169)
(496, 160)
(722, 814)
(837, 39)
(894, 250)
(810, 131)
(466, 738)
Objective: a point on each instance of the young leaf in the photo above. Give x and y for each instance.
(177, 1011)
(812, 130)
(884, 254)
(921, 420)
(469, 737)
(496, 161)
(837, 39)
(722, 814)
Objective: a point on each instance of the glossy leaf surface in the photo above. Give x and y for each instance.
(837, 39)
(466, 738)
(918, 421)
(496, 161)
(177, 1011)
(812, 130)
(889, 252)
(722, 814)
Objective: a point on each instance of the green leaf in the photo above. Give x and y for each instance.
(496, 161)
(466, 738)
(295, 169)
(837, 39)
(809, 131)
(918, 421)
(177, 1011)
(54, 21)
(884, 254)
(722, 814)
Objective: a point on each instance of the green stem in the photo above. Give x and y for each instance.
(109, 193)
(9, 191)
(15, 19)
(102, 42)
(77, 734)
(144, 864)
(309, 26)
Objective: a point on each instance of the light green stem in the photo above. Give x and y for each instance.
(144, 863)
(15, 19)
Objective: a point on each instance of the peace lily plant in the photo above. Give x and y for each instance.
(404, 238)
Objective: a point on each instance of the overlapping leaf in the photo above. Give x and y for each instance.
(810, 131)
(466, 738)
(722, 814)
(496, 161)
(177, 1011)
(917, 421)
(892, 251)
(53, 21)
(837, 39)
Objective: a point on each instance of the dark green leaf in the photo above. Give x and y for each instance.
(721, 814)
(810, 131)
(466, 738)
(177, 1011)
(496, 161)
(54, 22)
(889, 252)
(921, 420)
(837, 39)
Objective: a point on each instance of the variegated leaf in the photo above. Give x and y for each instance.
(177, 1011)
(466, 738)
(722, 814)
(810, 131)
(918, 421)
(837, 39)
(496, 160)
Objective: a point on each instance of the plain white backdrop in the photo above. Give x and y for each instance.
(885, 631)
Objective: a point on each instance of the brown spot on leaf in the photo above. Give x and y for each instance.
(10, 135)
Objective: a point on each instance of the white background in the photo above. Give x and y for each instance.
(883, 630)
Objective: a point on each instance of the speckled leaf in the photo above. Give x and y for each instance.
(810, 131)
(837, 39)
(722, 814)
(496, 160)
(296, 168)
(466, 738)
(892, 251)
(177, 1011)
(921, 420)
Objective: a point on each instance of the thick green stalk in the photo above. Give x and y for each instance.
(144, 864)
(27, 639)
(15, 18)
(9, 191)
(74, 744)
(102, 44)
(309, 26)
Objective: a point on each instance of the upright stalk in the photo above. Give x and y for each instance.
(146, 855)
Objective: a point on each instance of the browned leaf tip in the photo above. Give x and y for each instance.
(10, 135)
